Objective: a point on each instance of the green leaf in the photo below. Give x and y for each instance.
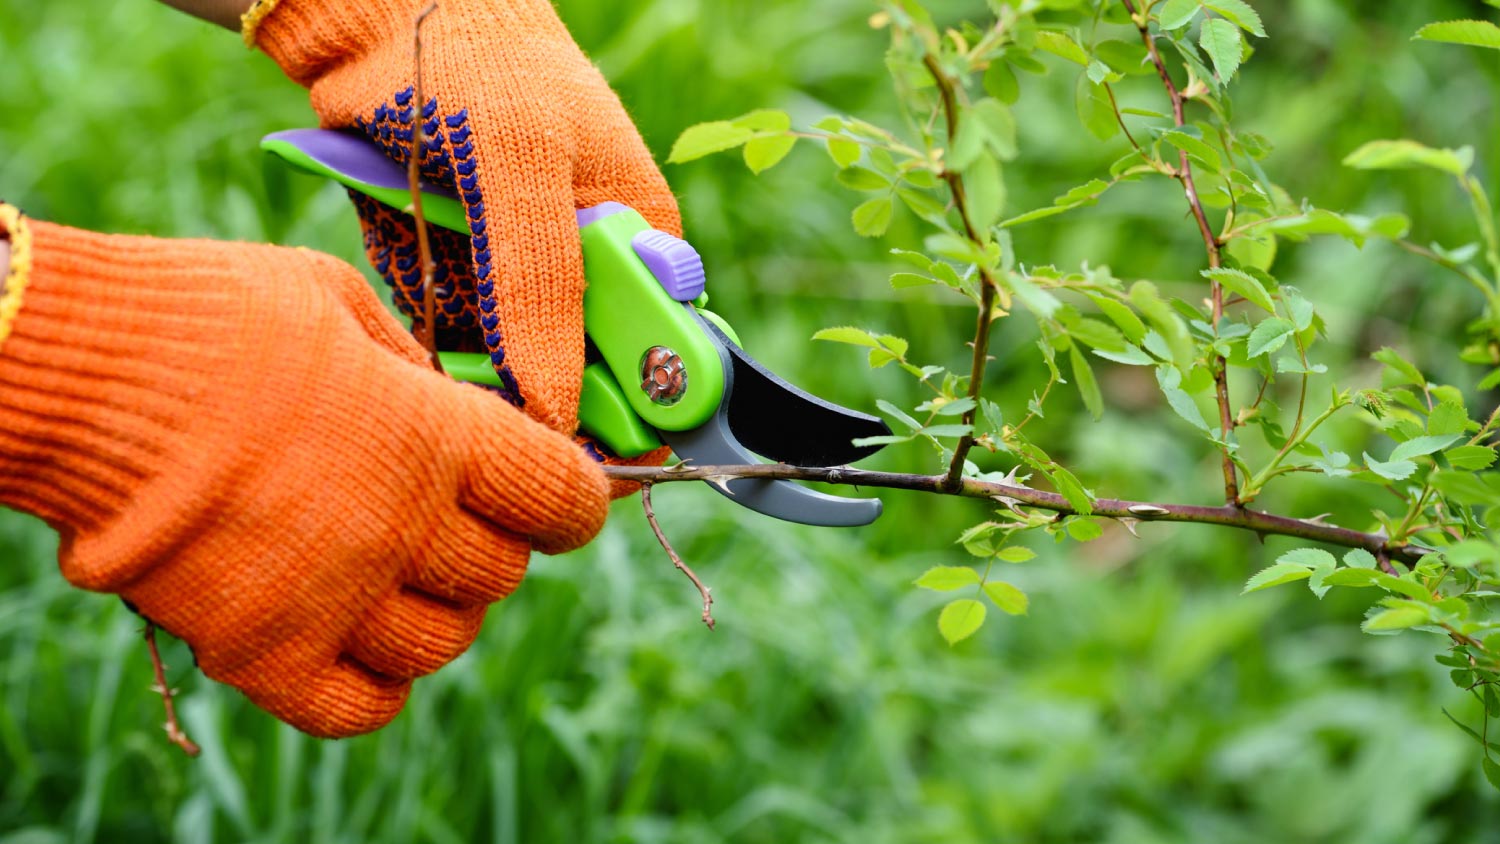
(1269, 336)
(1398, 618)
(900, 281)
(1170, 380)
(1240, 13)
(1491, 768)
(1357, 578)
(761, 154)
(960, 619)
(1422, 445)
(1448, 418)
(1194, 147)
(1177, 13)
(764, 120)
(947, 578)
(1470, 553)
(862, 179)
(1224, 45)
(1016, 554)
(1131, 356)
(871, 219)
(847, 334)
(1088, 386)
(1245, 285)
(1063, 45)
(1470, 458)
(1080, 499)
(1095, 109)
(985, 192)
(1275, 575)
(1395, 470)
(1404, 154)
(1000, 82)
(998, 124)
(1359, 558)
(1009, 599)
(1400, 368)
(706, 139)
(1310, 557)
(1469, 32)
(843, 151)
(1083, 529)
(1121, 315)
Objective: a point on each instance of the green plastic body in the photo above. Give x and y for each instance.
(626, 313)
(603, 412)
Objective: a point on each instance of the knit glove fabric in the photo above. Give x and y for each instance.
(520, 124)
(239, 441)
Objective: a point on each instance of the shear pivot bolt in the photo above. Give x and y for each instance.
(663, 376)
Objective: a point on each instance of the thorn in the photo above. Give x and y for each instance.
(1129, 524)
(1148, 511)
(1318, 519)
(722, 482)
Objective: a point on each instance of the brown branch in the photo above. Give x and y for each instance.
(414, 182)
(987, 288)
(173, 728)
(1230, 515)
(1210, 243)
(708, 598)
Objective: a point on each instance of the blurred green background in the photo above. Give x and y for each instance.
(1142, 700)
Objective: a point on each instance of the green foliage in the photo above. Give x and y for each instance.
(1141, 699)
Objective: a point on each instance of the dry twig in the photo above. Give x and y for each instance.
(708, 598)
(414, 182)
(173, 727)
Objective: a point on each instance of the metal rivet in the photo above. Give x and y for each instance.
(663, 376)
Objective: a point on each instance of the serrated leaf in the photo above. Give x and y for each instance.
(761, 154)
(898, 414)
(1084, 530)
(1169, 379)
(948, 430)
(843, 151)
(947, 578)
(1310, 557)
(1470, 458)
(1394, 470)
(1245, 285)
(1270, 335)
(1094, 109)
(1068, 487)
(1419, 446)
(1176, 14)
(1000, 82)
(1275, 575)
(873, 218)
(764, 120)
(1088, 386)
(1222, 41)
(1491, 767)
(900, 281)
(862, 179)
(1359, 558)
(1062, 45)
(1357, 578)
(1132, 356)
(985, 191)
(1240, 13)
(1448, 418)
(960, 619)
(706, 139)
(1470, 553)
(1194, 147)
(1404, 154)
(1016, 554)
(1396, 365)
(1009, 599)
(1121, 315)
(1468, 32)
(1397, 618)
(847, 334)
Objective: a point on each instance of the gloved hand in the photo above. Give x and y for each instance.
(240, 441)
(520, 124)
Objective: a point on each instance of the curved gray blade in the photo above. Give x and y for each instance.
(714, 444)
(779, 421)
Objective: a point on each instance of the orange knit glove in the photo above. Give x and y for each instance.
(239, 441)
(520, 124)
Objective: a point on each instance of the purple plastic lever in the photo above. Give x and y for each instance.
(674, 262)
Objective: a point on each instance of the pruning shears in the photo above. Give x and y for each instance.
(669, 371)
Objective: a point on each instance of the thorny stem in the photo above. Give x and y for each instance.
(953, 479)
(414, 181)
(1210, 243)
(708, 598)
(173, 728)
(1230, 515)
